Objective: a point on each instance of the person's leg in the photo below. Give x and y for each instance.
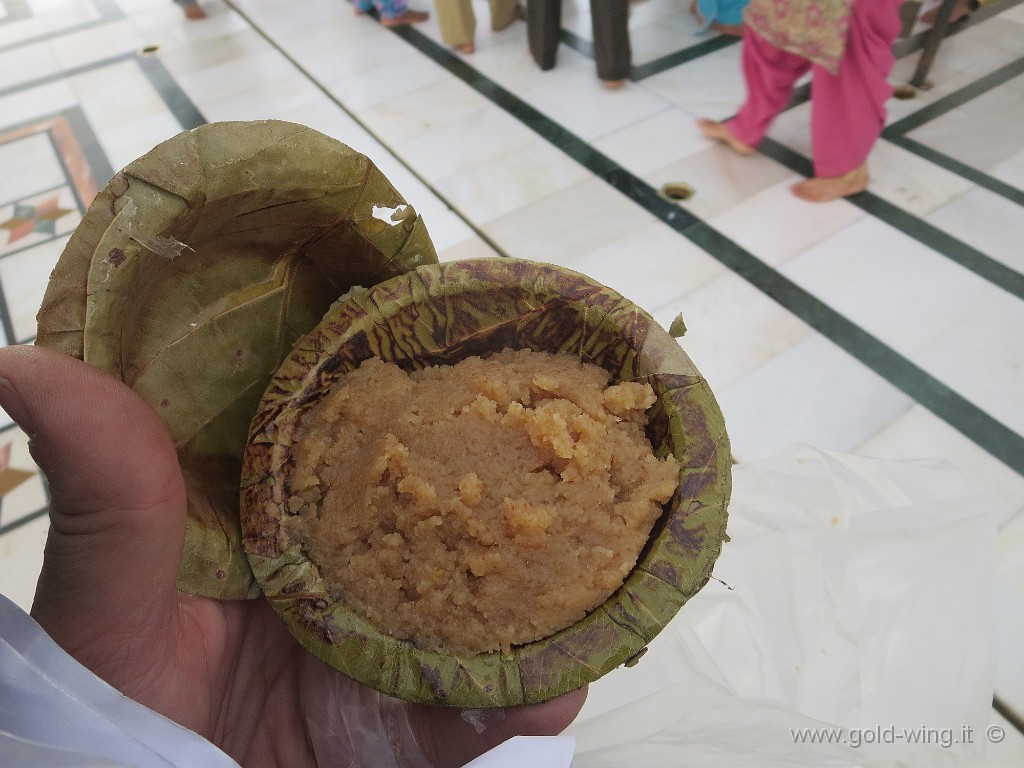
(769, 74)
(612, 52)
(504, 13)
(543, 28)
(848, 109)
(457, 22)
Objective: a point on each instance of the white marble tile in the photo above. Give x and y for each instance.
(21, 559)
(224, 80)
(662, 36)
(986, 221)
(165, 26)
(392, 80)
(591, 110)
(1011, 170)
(464, 143)
(720, 178)
(41, 101)
(919, 433)
(1015, 13)
(654, 142)
(891, 285)
(776, 225)
(208, 55)
(652, 266)
(66, 15)
(95, 44)
(335, 50)
(814, 393)
(102, 93)
(266, 98)
(568, 224)
(124, 142)
(282, 18)
(1010, 614)
(427, 109)
(982, 356)
(732, 328)
(648, 12)
(24, 276)
(13, 32)
(911, 182)
(997, 41)
(29, 166)
(472, 247)
(711, 86)
(25, 64)
(981, 137)
(510, 180)
(325, 116)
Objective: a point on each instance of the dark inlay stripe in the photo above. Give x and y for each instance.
(981, 264)
(638, 72)
(956, 99)
(177, 101)
(980, 178)
(7, 528)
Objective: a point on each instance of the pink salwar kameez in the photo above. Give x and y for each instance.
(847, 109)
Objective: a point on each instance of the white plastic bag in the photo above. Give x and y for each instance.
(853, 625)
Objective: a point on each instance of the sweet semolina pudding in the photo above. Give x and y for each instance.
(474, 507)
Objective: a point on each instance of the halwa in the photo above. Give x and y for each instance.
(474, 507)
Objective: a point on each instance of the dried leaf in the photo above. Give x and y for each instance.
(269, 223)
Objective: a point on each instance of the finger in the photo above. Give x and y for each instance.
(117, 511)
(453, 737)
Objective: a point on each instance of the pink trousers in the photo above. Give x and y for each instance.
(847, 109)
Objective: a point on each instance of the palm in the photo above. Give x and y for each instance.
(228, 670)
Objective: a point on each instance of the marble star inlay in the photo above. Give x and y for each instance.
(41, 218)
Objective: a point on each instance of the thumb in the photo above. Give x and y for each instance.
(117, 512)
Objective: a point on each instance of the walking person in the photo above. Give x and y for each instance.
(847, 46)
(458, 22)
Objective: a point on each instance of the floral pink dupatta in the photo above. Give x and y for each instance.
(814, 29)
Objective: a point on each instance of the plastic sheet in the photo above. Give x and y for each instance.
(42, 687)
(852, 624)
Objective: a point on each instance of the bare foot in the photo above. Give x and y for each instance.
(465, 48)
(613, 85)
(961, 9)
(821, 189)
(193, 12)
(517, 14)
(409, 17)
(720, 132)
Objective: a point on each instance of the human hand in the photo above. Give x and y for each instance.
(228, 670)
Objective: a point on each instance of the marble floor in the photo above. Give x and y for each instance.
(889, 324)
